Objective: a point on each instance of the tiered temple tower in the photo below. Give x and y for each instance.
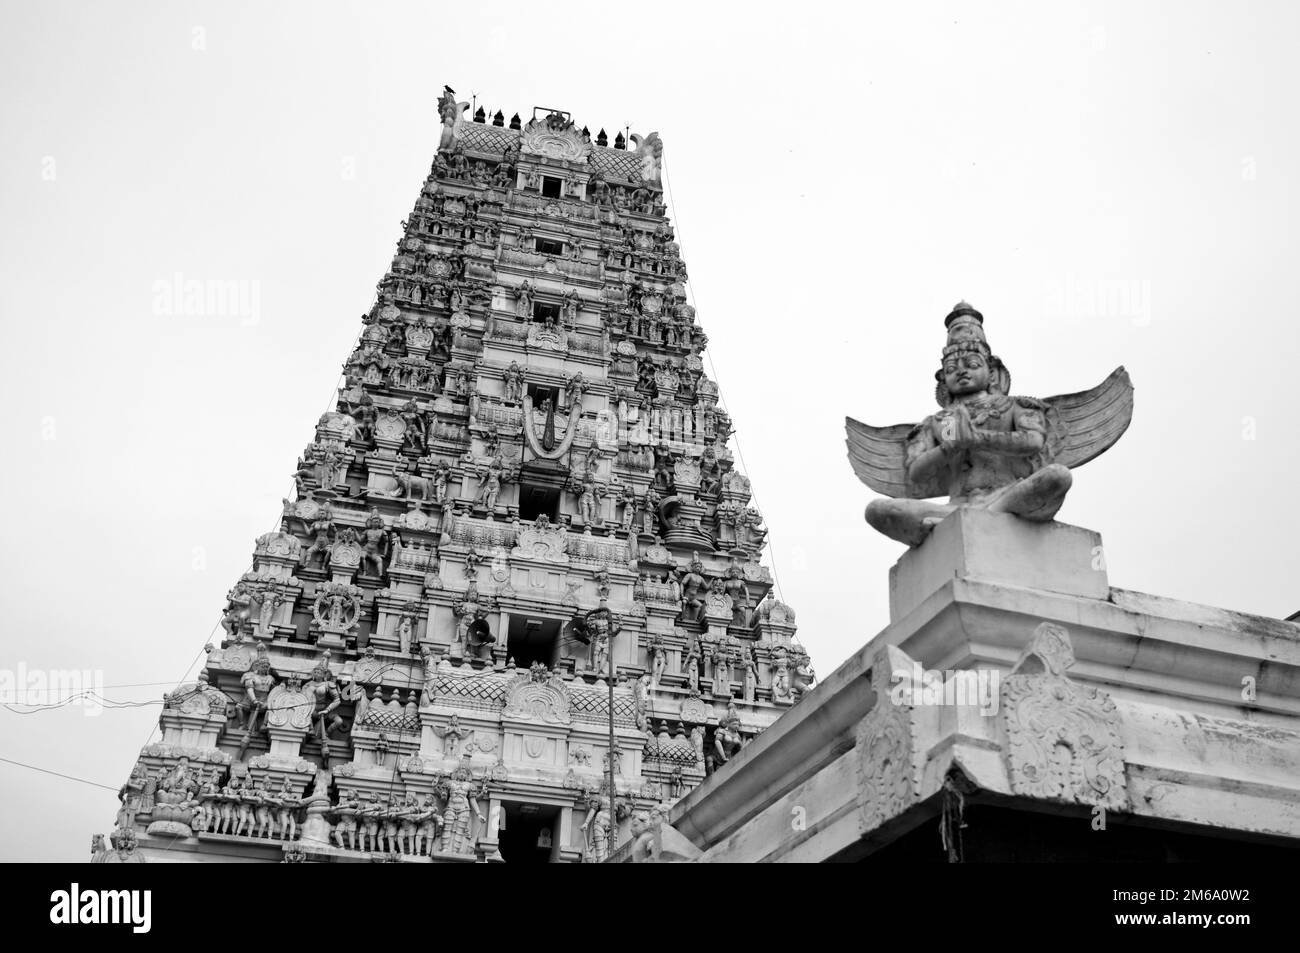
(525, 486)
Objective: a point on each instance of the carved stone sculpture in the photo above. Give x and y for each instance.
(514, 382)
(374, 544)
(524, 301)
(726, 737)
(257, 683)
(596, 826)
(326, 700)
(985, 448)
(462, 793)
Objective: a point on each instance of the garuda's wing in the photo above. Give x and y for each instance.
(879, 458)
(1085, 425)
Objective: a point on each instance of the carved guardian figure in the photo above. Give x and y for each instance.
(985, 448)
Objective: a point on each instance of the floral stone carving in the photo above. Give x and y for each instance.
(538, 695)
(889, 770)
(541, 541)
(556, 137)
(1063, 739)
(289, 706)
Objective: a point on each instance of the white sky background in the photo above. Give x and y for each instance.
(843, 174)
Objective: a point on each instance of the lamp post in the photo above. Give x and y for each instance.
(596, 624)
(600, 622)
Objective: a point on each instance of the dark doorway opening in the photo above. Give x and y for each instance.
(531, 640)
(530, 833)
(538, 500)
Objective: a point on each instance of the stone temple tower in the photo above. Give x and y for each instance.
(525, 486)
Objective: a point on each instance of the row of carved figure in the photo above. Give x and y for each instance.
(182, 803)
(460, 216)
(792, 673)
(411, 825)
(324, 467)
(453, 165)
(336, 606)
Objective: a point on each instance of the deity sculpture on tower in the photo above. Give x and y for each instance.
(985, 448)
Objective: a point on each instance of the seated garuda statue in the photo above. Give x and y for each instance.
(985, 448)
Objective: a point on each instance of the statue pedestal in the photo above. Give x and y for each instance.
(1005, 550)
(286, 742)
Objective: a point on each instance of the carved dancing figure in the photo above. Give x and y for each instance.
(489, 485)
(238, 611)
(364, 414)
(414, 438)
(587, 506)
(326, 700)
(694, 587)
(627, 496)
(780, 675)
(374, 543)
(524, 301)
(440, 475)
(321, 529)
(658, 659)
(514, 382)
(726, 737)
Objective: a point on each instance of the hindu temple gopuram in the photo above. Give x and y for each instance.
(519, 564)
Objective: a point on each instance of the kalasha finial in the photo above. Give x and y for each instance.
(965, 326)
(959, 309)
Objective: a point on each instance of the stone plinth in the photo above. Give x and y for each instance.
(1001, 549)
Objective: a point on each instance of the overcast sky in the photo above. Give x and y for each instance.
(1109, 183)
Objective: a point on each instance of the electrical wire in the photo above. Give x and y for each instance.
(690, 290)
(58, 774)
